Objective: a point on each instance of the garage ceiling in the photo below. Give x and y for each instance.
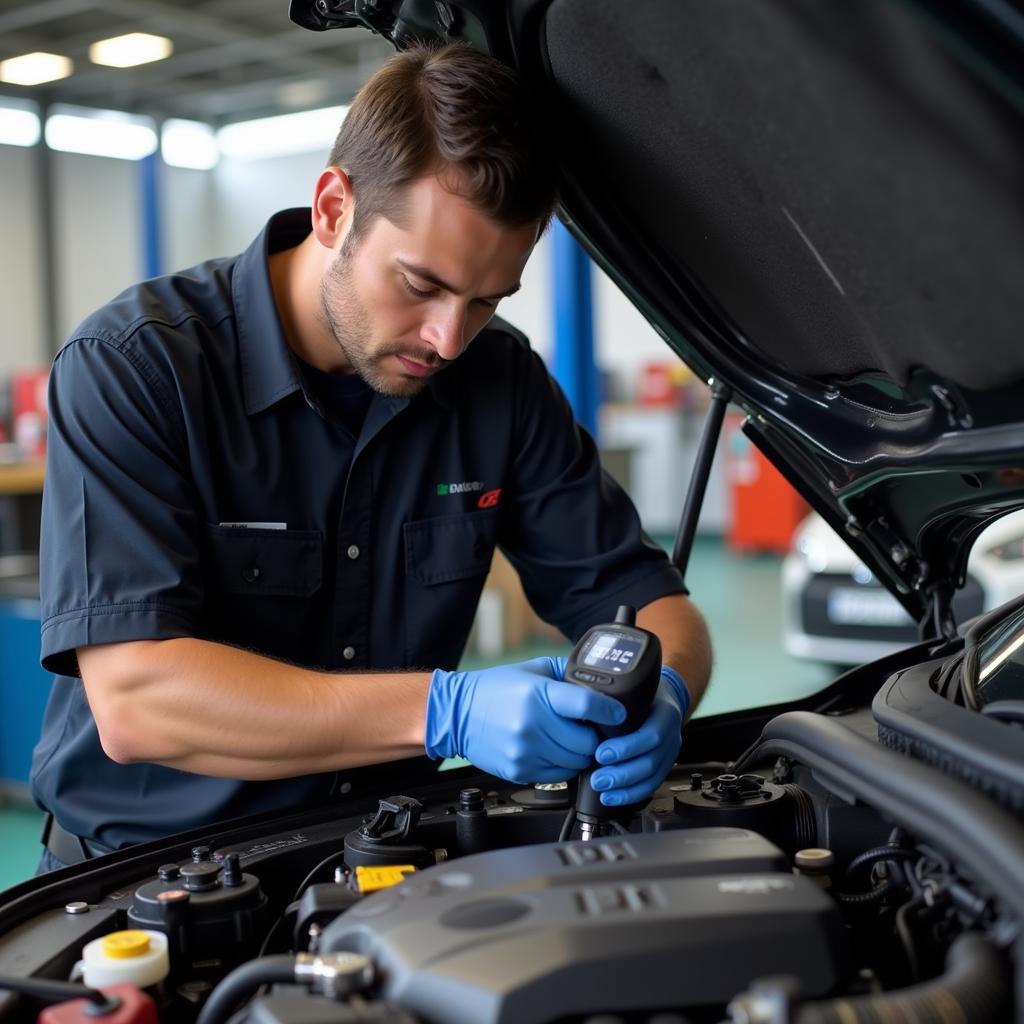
(233, 59)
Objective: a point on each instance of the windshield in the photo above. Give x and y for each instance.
(1001, 661)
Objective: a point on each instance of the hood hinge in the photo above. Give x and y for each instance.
(939, 622)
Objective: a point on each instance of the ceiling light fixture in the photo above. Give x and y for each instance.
(19, 123)
(189, 144)
(286, 133)
(108, 133)
(35, 68)
(130, 50)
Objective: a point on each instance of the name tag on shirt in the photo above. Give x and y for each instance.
(255, 526)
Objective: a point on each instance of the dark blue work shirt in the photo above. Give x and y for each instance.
(178, 412)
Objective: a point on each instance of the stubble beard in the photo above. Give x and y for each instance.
(349, 323)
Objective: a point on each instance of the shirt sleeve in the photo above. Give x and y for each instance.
(118, 554)
(573, 534)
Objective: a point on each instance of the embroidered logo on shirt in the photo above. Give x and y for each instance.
(467, 487)
(490, 499)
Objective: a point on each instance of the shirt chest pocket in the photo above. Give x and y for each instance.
(449, 548)
(255, 562)
(446, 562)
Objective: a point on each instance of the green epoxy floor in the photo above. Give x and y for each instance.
(738, 595)
(19, 828)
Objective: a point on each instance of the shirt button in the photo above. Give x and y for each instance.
(251, 573)
(353, 552)
(349, 653)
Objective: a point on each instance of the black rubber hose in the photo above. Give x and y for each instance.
(1006, 710)
(974, 988)
(567, 825)
(880, 853)
(242, 983)
(985, 839)
(50, 991)
(860, 898)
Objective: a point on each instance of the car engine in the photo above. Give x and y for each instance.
(820, 876)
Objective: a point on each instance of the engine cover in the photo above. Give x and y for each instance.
(666, 920)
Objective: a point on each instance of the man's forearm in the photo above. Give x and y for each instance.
(685, 643)
(215, 710)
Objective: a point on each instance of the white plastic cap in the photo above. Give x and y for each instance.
(137, 956)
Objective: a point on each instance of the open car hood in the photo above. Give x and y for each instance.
(819, 206)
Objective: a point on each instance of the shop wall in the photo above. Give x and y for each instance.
(97, 211)
(21, 293)
(247, 192)
(188, 217)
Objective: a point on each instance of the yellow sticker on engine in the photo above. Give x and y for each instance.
(371, 878)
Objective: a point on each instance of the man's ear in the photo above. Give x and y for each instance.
(333, 206)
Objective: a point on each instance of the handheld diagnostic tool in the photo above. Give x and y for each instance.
(623, 661)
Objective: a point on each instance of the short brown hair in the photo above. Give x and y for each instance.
(449, 108)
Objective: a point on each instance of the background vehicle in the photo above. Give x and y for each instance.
(834, 610)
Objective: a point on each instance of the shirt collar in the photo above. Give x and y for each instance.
(269, 372)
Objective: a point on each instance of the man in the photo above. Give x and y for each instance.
(275, 484)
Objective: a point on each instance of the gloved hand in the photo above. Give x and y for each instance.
(638, 762)
(519, 722)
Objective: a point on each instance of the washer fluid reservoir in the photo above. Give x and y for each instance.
(137, 956)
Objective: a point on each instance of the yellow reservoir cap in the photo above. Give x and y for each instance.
(383, 876)
(125, 945)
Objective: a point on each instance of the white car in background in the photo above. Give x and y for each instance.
(835, 611)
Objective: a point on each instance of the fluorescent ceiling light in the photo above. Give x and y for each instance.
(305, 132)
(130, 50)
(19, 123)
(100, 132)
(35, 68)
(189, 144)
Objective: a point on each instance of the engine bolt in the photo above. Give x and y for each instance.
(232, 870)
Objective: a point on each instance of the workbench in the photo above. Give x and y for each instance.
(21, 488)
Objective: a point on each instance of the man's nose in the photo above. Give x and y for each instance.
(445, 329)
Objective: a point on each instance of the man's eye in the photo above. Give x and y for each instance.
(418, 292)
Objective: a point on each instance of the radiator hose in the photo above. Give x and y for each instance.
(242, 983)
(975, 988)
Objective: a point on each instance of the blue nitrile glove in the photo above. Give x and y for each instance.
(634, 765)
(520, 722)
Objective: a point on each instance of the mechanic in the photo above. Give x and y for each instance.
(275, 483)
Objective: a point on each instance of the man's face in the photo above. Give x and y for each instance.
(403, 302)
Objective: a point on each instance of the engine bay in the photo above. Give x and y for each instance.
(817, 877)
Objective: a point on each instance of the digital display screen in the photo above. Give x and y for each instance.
(612, 653)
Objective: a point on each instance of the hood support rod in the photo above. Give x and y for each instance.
(721, 394)
(939, 621)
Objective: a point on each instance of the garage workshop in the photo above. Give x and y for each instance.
(511, 511)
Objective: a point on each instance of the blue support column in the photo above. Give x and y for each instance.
(574, 365)
(49, 266)
(152, 225)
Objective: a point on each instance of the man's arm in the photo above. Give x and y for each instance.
(216, 710)
(685, 643)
